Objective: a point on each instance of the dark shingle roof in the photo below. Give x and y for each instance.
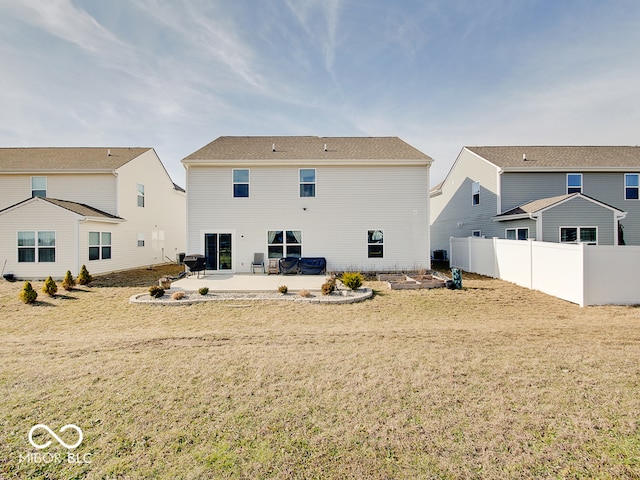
(307, 148)
(560, 157)
(51, 159)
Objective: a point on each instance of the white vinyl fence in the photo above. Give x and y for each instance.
(582, 274)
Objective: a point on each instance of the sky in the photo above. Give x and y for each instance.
(175, 75)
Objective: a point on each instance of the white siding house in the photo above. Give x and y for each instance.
(108, 208)
(361, 203)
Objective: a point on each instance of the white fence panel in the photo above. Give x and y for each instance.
(482, 256)
(559, 270)
(611, 275)
(459, 257)
(514, 261)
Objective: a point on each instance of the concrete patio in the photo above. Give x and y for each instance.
(246, 282)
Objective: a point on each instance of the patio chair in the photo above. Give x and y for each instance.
(274, 266)
(258, 261)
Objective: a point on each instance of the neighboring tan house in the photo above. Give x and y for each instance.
(108, 208)
(361, 203)
(522, 192)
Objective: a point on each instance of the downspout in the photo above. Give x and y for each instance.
(499, 191)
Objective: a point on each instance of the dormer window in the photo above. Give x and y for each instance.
(574, 183)
(38, 186)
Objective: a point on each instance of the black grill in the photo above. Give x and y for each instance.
(195, 262)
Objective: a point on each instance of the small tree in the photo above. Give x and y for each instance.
(84, 277)
(28, 294)
(156, 291)
(68, 282)
(50, 287)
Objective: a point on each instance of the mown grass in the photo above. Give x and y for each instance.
(493, 381)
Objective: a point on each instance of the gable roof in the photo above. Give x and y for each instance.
(52, 159)
(81, 209)
(331, 150)
(560, 157)
(529, 209)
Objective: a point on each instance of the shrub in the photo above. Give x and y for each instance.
(283, 289)
(329, 286)
(50, 287)
(304, 293)
(156, 291)
(179, 295)
(28, 294)
(352, 280)
(84, 277)
(68, 282)
(203, 290)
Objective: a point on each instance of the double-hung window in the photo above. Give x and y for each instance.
(240, 182)
(307, 182)
(140, 190)
(574, 183)
(631, 186)
(37, 247)
(375, 244)
(517, 233)
(284, 243)
(579, 235)
(99, 245)
(38, 186)
(475, 193)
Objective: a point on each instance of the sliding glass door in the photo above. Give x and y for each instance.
(217, 249)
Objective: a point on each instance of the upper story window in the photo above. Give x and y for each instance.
(307, 182)
(38, 186)
(631, 186)
(240, 182)
(574, 183)
(140, 189)
(475, 193)
(375, 244)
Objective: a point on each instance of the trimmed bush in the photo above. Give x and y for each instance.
(179, 295)
(50, 287)
(352, 280)
(84, 277)
(203, 290)
(304, 293)
(283, 289)
(68, 282)
(156, 291)
(329, 286)
(28, 294)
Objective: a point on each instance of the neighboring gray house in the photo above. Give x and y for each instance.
(554, 194)
(360, 202)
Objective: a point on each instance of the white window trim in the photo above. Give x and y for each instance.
(284, 243)
(36, 247)
(624, 186)
(375, 243)
(475, 190)
(516, 229)
(100, 245)
(566, 182)
(140, 194)
(578, 234)
(46, 184)
(234, 183)
(314, 183)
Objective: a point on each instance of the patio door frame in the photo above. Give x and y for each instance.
(216, 242)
